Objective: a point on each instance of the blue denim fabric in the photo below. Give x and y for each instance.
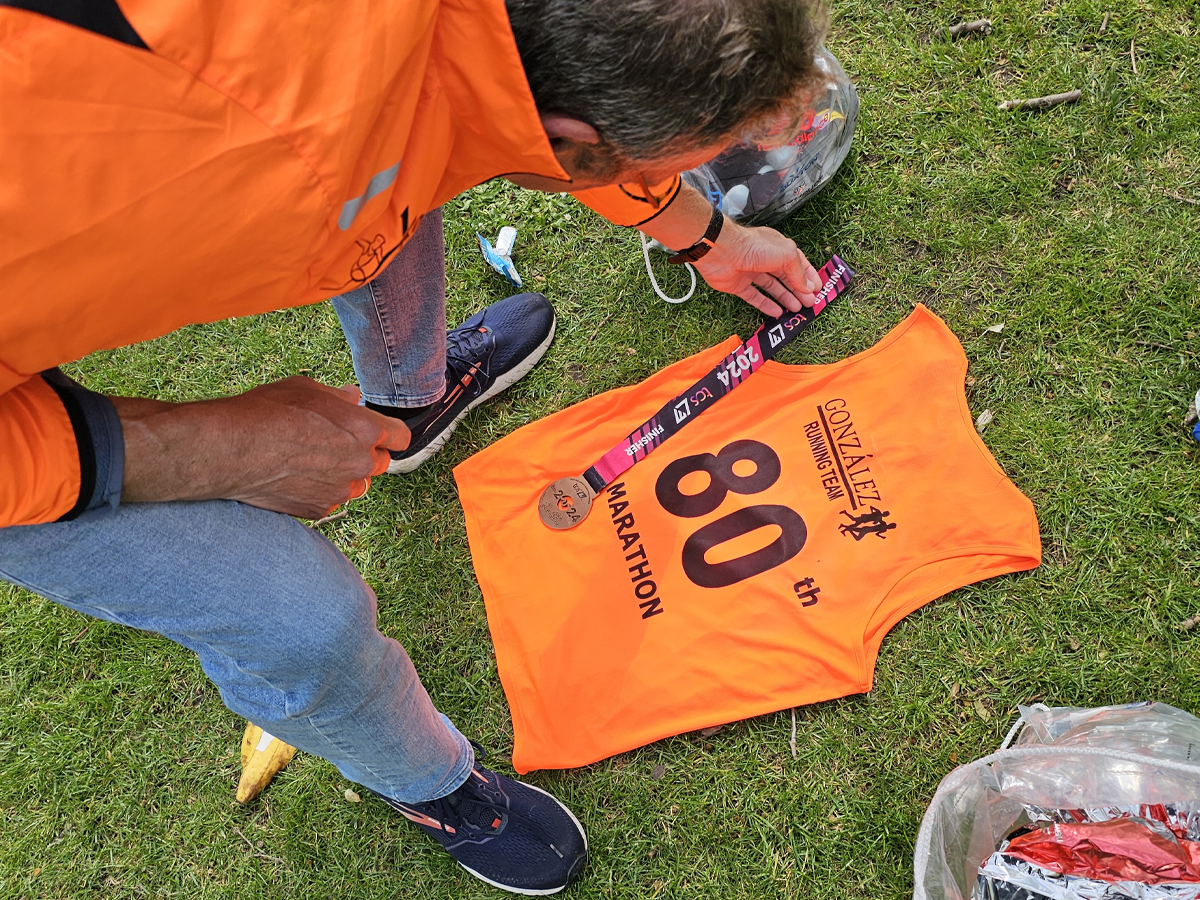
(396, 324)
(281, 621)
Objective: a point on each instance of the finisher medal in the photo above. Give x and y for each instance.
(566, 502)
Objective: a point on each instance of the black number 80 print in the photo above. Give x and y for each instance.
(722, 480)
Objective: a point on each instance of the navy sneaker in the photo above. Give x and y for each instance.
(486, 354)
(510, 834)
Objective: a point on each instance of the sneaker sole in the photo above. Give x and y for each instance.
(503, 383)
(547, 891)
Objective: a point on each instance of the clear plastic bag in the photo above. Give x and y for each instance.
(1105, 760)
(757, 186)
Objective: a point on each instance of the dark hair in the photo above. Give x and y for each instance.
(652, 75)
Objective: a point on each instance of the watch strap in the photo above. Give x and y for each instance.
(702, 246)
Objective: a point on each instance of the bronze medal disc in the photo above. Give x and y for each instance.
(565, 503)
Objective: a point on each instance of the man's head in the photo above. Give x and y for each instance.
(652, 87)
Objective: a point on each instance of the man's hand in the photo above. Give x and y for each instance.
(294, 446)
(743, 260)
(760, 265)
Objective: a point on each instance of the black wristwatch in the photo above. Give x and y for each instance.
(702, 246)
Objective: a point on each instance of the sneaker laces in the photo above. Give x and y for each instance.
(465, 344)
(469, 805)
(459, 808)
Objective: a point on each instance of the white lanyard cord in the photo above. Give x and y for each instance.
(654, 281)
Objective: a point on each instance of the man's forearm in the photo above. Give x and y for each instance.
(684, 222)
(177, 451)
(294, 446)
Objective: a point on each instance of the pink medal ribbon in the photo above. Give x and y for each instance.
(566, 502)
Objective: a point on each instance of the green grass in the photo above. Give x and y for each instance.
(118, 761)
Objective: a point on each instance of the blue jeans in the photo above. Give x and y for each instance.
(280, 619)
(396, 324)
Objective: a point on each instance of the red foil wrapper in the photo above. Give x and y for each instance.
(1127, 849)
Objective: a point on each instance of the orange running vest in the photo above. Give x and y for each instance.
(752, 563)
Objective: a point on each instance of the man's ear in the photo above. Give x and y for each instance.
(571, 129)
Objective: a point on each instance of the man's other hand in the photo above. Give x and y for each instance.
(294, 446)
(761, 266)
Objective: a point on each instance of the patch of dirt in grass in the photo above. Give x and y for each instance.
(1004, 74)
(1063, 185)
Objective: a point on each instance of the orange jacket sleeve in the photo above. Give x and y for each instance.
(628, 204)
(39, 457)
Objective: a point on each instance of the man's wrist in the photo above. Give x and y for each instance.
(684, 222)
(700, 249)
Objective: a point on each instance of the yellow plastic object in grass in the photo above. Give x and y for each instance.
(263, 757)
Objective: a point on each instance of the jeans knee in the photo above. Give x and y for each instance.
(321, 626)
(339, 632)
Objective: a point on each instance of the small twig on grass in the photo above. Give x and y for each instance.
(601, 325)
(792, 741)
(1181, 198)
(1042, 102)
(1103, 24)
(1132, 58)
(254, 850)
(72, 641)
(324, 520)
(982, 26)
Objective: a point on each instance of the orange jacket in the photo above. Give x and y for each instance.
(257, 156)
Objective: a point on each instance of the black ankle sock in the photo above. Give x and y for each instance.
(396, 412)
